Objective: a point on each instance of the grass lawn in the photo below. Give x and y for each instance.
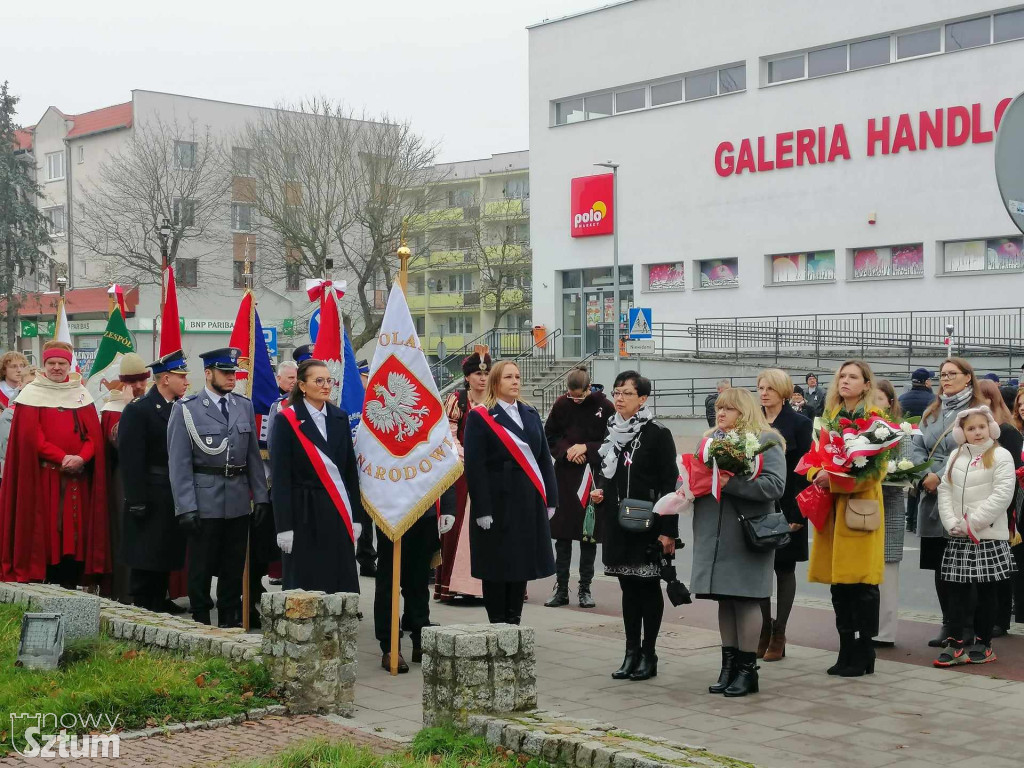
(133, 687)
(432, 748)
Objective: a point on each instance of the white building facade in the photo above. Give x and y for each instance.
(799, 157)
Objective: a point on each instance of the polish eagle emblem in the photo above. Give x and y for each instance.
(396, 409)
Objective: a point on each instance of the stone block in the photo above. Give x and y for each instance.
(603, 756)
(585, 753)
(533, 743)
(550, 747)
(445, 642)
(303, 605)
(468, 646)
(428, 640)
(494, 732)
(514, 735)
(300, 632)
(508, 641)
(472, 672)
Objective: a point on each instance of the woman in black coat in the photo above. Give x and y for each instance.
(575, 429)
(510, 541)
(638, 461)
(775, 388)
(318, 548)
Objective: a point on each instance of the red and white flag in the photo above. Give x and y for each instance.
(328, 345)
(586, 486)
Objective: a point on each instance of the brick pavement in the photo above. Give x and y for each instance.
(219, 747)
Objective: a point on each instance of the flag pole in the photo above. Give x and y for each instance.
(251, 352)
(396, 558)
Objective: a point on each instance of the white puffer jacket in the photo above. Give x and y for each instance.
(978, 494)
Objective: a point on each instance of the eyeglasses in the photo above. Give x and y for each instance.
(948, 376)
(620, 393)
(575, 399)
(322, 382)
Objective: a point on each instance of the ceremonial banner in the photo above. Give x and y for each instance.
(352, 391)
(256, 373)
(404, 447)
(170, 326)
(114, 345)
(328, 345)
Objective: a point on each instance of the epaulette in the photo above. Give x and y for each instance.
(188, 398)
(137, 399)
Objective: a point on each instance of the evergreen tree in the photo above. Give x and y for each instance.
(24, 233)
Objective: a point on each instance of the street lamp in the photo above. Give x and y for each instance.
(163, 233)
(615, 256)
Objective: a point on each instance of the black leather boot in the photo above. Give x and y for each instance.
(728, 673)
(862, 659)
(746, 675)
(586, 599)
(628, 664)
(846, 643)
(202, 617)
(559, 597)
(647, 668)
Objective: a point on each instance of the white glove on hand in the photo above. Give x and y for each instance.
(357, 528)
(445, 523)
(551, 512)
(485, 522)
(285, 539)
(959, 529)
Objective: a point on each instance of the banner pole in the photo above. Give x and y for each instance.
(251, 353)
(396, 560)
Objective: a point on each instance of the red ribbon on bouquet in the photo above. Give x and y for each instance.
(702, 478)
(815, 504)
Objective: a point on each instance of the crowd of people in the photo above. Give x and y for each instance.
(157, 489)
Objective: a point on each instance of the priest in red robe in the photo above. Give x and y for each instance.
(53, 505)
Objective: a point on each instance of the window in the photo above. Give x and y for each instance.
(666, 93)
(517, 188)
(55, 217)
(887, 262)
(81, 154)
(666, 277)
(291, 165)
(184, 212)
(789, 68)
(569, 111)
(718, 273)
(238, 273)
(54, 166)
(994, 255)
(241, 217)
(810, 267)
(1009, 26)
(241, 161)
(732, 79)
(701, 86)
(293, 277)
(870, 53)
(185, 154)
(186, 272)
(421, 325)
(918, 43)
(968, 34)
(598, 106)
(460, 324)
(460, 198)
(827, 61)
(627, 101)
(460, 282)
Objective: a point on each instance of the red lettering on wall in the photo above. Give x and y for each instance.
(904, 135)
(1000, 109)
(724, 161)
(783, 147)
(805, 146)
(930, 128)
(958, 126)
(839, 146)
(978, 136)
(821, 143)
(878, 135)
(745, 161)
(762, 163)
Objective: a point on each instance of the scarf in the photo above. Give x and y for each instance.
(957, 402)
(620, 433)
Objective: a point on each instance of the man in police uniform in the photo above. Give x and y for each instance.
(218, 480)
(152, 542)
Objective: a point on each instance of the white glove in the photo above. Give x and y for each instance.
(445, 523)
(959, 528)
(285, 539)
(357, 528)
(485, 522)
(551, 512)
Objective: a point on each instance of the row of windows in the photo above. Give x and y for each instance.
(896, 46)
(186, 274)
(656, 93)
(982, 256)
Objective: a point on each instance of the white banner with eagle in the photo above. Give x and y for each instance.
(404, 448)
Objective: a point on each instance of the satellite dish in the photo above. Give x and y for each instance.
(1009, 156)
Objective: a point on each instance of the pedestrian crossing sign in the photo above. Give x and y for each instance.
(639, 322)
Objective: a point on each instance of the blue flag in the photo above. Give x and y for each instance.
(352, 391)
(264, 384)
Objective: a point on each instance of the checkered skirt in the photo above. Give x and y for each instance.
(967, 563)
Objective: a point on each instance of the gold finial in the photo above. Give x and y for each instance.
(403, 250)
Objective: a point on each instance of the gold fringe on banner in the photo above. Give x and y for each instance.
(417, 511)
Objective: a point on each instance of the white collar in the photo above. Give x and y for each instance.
(313, 411)
(215, 397)
(513, 406)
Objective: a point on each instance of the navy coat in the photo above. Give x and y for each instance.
(518, 545)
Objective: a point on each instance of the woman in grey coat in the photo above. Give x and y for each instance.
(958, 390)
(724, 568)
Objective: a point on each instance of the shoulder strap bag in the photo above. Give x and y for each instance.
(635, 515)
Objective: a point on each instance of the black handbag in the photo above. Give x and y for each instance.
(635, 515)
(765, 533)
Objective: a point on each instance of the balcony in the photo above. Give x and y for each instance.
(506, 207)
(440, 258)
(451, 341)
(417, 301)
(436, 218)
(453, 300)
(509, 297)
(510, 253)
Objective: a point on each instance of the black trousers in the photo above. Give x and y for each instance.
(973, 604)
(365, 553)
(418, 546)
(856, 608)
(148, 589)
(504, 601)
(67, 573)
(563, 557)
(643, 606)
(217, 549)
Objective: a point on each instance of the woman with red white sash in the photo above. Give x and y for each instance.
(512, 493)
(315, 487)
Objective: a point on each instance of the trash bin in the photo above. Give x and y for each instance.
(540, 336)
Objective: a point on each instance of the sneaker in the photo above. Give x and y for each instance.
(953, 655)
(981, 654)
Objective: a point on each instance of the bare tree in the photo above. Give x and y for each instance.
(165, 171)
(501, 249)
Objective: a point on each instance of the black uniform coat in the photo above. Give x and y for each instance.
(518, 545)
(796, 431)
(155, 542)
(567, 425)
(653, 474)
(323, 555)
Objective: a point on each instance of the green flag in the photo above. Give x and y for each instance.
(116, 343)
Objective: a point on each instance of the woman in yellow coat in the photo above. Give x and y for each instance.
(851, 561)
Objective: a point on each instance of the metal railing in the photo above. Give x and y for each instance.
(501, 342)
(539, 358)
(542, 398)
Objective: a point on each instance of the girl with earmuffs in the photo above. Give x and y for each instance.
(975, 489)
